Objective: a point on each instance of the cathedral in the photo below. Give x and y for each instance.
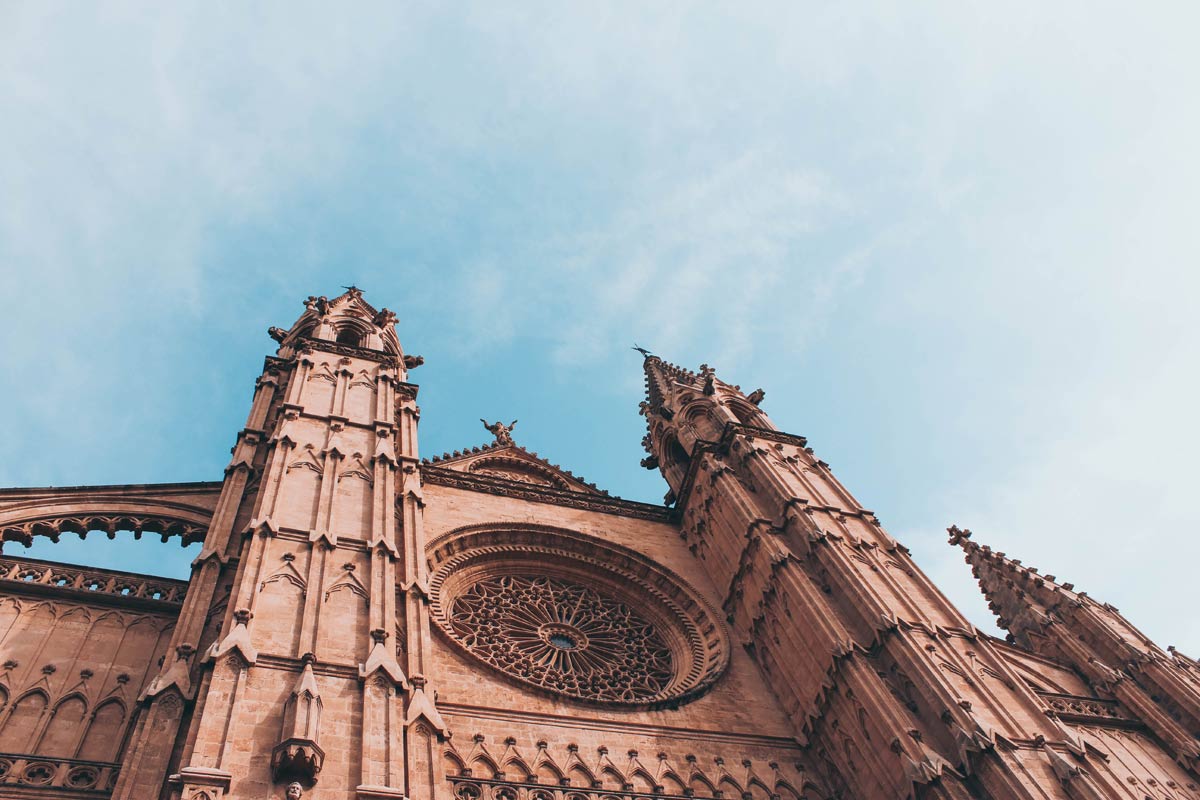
(364, 623)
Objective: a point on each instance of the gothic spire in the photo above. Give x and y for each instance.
(1051, 618)
(685, 409)
(661, 377)
(1018, 595)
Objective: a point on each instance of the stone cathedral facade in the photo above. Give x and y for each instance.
(364, 624)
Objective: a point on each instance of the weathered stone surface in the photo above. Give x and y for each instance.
(363, 624)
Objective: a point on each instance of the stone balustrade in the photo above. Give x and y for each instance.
(63, 576)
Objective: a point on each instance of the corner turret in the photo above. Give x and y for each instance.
(346, 323)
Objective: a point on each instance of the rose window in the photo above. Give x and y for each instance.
(575, 617)
(563, 636)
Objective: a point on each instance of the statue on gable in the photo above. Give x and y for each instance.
(319, 305)
(502, 432)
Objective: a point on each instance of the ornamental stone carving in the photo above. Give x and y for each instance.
(569, 615)
(563, 636)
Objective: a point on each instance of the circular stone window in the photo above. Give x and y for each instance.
(575, 617)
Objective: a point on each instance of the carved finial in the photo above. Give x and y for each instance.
(958, 535)
(384, 318)
(502, 432)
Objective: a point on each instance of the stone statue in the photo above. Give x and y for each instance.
(294, 791)
(320, 305)
(502, 432)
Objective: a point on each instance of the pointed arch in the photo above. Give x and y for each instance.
(523, 771)
(454, 762)
(490, 768)
(785, 791)
(642, 781)
(611, 778)
(579, 771)
(730, 787)
(62, 731)
(672, 783)
(10, 610)
(700, 415)
(759, 790)
(103, 737)
(281, 600)
(23, 721)
(747, 414)
(348, 334)
(700, 785)
(547, 772)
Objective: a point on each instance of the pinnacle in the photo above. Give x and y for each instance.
(1011, 588)
(961, 537)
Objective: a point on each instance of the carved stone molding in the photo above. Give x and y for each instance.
(543, 494)
(349, 350)
(569, 615)
(57, 774)
(1088, 711)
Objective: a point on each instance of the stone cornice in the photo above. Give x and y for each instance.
(130, 489)
(349, 350)
(1089, 711)
(544, 494)
(574, 720)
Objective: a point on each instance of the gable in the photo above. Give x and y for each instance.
(514, 463)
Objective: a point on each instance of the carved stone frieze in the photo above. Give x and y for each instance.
(1088, 710)
(350, 350)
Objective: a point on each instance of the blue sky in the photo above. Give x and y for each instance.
(956, 244)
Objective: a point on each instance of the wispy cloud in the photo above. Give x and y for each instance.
(954, 243)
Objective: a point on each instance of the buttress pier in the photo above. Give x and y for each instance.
(890, 690)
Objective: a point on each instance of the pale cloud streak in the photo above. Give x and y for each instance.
(956, 239)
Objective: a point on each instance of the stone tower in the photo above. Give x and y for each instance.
(485, 625)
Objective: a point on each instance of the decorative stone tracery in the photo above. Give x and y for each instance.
(563, 636)
(565, 613)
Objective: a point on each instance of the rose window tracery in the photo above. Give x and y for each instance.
(575, 616)
(563, 636)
